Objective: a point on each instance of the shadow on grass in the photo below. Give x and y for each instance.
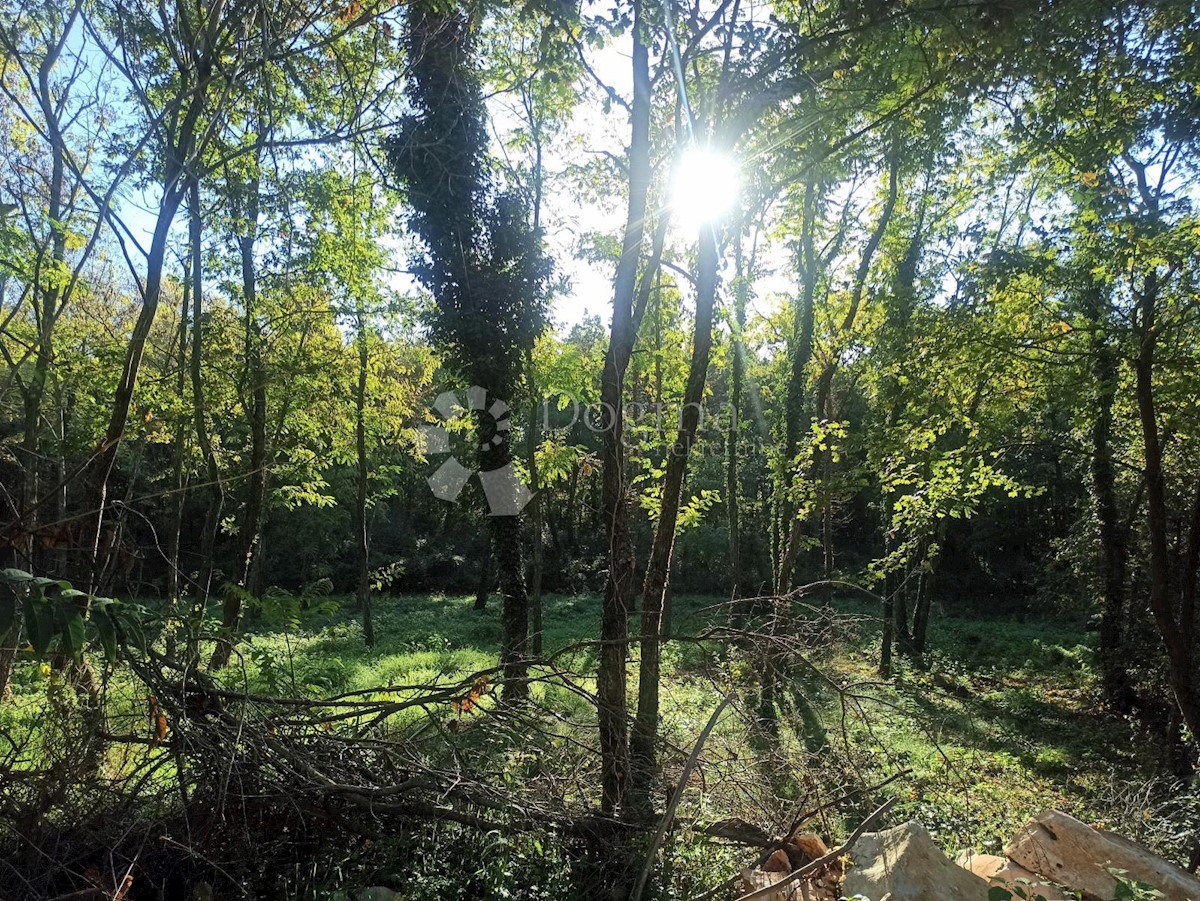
(1032, 720)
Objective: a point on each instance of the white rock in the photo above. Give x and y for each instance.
(753, 880)
(906, 865)
(1060, 848)
(1007, 874)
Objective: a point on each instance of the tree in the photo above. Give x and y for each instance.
(483, 264)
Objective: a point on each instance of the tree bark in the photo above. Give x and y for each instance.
(1114, 552)
(801, 350)
(536, 526)
(361, 525)
(106, 455)
(897, 323)
(645, 731)
(514, 652)
(177, 451)
(737, 377)
(484, 584)
(177, 157)
(216, 490)
(612, 712)
(255, 398)
(1180, 645)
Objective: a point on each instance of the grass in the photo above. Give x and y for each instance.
(998, 722)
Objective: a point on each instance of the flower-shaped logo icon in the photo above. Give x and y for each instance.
(506, 494)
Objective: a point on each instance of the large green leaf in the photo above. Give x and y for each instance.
(107, 631)
(73, 633)
(129, 629)
(51, 587)
(39, 621)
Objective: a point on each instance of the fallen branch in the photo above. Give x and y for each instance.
(669, 813)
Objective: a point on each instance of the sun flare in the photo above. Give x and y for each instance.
(705, 187)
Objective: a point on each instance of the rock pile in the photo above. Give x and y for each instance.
(1054, 857)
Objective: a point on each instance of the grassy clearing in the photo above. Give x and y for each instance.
(999, 722)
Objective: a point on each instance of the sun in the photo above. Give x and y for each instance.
(704, 189)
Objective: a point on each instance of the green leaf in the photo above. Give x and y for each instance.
(39, 621)
(999, 893)
(51, 587)
(14, 576)
(129, 629)
(107, 631)
(72, 634)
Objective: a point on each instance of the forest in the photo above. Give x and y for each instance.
(602, 449)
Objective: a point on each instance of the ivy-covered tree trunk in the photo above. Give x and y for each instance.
(484, 265)
(514, 651)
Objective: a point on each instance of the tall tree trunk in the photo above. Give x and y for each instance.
(216, 490)
(897, 325)
(645, 731)
(260, 463)
(536, 526)
(926, 592)
(361, 526)
(788, 534)
(255, 398)
(177, 451)
(612, 712)
(822, 405)
(572, 512)
(920, 629)
(514, 615)
(537, 510)
(795, 421)
(741, 290)
(47, 294)
(901, 608)
(106, 454)
(1180, 645)
(504, 526)
(483, 585)
(1114, 553)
